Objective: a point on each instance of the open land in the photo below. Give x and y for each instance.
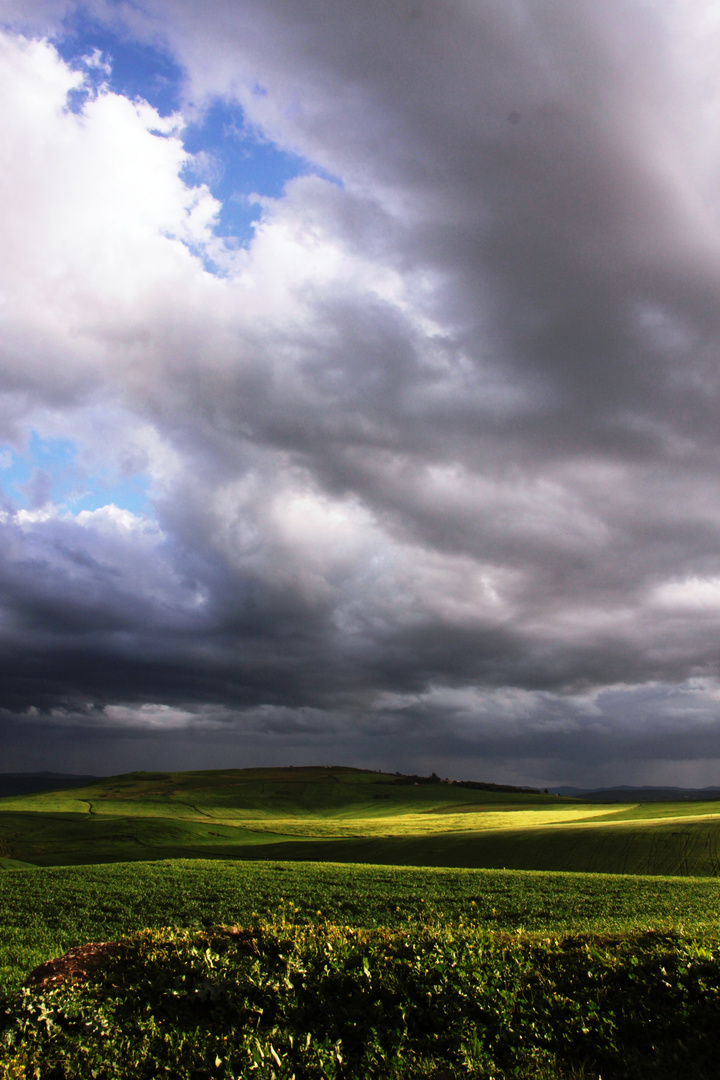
(346, 815)
(291, 922)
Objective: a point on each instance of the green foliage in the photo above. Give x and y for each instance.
(351, 969)
(45, 912)
(348, 815)
(326, 1001)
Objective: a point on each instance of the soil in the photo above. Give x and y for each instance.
(75, 965)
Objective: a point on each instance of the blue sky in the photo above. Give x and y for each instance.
(234, 161)
(137, 69)
(47, 470)
(238, 161)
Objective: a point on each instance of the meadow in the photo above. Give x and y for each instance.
(48, 911)
(347, 815)
(232, 960)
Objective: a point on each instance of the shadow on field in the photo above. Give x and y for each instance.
(54, 839)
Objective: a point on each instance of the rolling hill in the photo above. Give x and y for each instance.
(351, 815)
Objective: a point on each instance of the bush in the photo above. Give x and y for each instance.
(277, 1001)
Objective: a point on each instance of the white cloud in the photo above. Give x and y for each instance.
(442, 441)
(100, 219)
(32, 517)
(694, 594)
(113, 519)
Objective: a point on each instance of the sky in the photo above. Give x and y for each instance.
(360, 387)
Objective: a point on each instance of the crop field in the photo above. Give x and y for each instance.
(335, 972)
(346, 815)
(47, 911)
(329, 924)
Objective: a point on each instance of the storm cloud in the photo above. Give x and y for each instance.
(434, 459)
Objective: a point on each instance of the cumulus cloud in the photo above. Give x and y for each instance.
(433, 461)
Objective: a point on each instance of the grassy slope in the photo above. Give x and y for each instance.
(324, 1002)
(263, 797)
(46, 911)
(346, 815)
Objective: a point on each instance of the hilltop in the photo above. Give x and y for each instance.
(340, 814)
(237, 793)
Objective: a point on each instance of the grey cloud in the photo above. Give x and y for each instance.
(474, 453)
(38, 488)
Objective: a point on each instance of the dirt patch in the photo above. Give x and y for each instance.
(84, 961)
(75, 965)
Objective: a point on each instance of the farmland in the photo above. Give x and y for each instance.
(345, 815)
(47, 911)
(337, 923)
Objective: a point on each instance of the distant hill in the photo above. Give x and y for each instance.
(303, 812)
(471, 785)
(37, 782)
(313, 785)
(625, 794)
(335, 814)
(30, 783)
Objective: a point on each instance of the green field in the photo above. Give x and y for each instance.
(346, 815)
(354, 970)
(47, 911)
(468, 916)
(135, 851)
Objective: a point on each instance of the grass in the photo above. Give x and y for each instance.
(347, 815)
(321, 1002)
(47, 911)
(393, 945)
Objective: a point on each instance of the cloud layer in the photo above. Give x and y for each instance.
(434, 460)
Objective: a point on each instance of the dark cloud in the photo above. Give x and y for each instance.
(448, 427)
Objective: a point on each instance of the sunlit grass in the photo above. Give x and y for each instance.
(351, 816)
(44, 912)
(279, 999)
(411, 823)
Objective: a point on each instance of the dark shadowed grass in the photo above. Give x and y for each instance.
(347, 815)
(323, 1002)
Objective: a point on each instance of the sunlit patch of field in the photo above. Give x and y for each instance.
(348, 816)
(394, 819)
(416, 824)
(312, 803)
(371, 821)
(667, 811)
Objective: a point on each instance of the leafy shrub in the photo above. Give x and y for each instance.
(325, 1002)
